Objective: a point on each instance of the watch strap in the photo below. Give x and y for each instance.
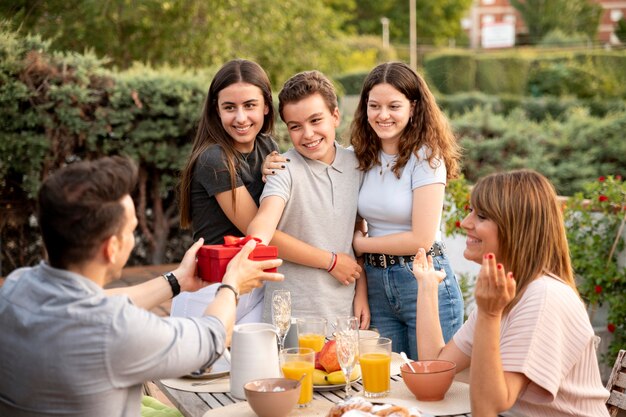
(173, 281)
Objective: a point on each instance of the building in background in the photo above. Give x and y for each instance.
(497, 24)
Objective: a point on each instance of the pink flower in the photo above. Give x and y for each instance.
(610, 327)
(602, 178)
(618, 178)
(598, 289)
(603, 198)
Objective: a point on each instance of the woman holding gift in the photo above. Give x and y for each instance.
(407, 150)
(529, 342)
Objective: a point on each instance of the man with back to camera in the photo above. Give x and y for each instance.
(71, 348)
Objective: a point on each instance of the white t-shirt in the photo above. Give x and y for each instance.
(386, 202)
(547, 336)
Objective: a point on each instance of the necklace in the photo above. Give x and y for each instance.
(385, 163)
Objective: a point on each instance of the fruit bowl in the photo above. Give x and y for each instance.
(272, 397)
(431, 379)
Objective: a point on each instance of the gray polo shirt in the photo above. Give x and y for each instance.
(69, 350)
(320, 209)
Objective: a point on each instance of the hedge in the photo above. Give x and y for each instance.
(58, 108)
(582, 74)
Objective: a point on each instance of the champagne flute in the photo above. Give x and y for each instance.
(347, 337)
(281, 314)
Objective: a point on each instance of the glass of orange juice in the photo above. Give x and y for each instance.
(311, 333)
(297, 363)
(375, 360)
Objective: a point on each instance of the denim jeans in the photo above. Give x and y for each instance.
(392, 296)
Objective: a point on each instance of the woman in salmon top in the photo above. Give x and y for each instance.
(534, 352)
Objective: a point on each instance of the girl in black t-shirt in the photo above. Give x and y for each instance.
(221, 182)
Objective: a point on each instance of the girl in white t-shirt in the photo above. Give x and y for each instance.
(534, 352)
(407, 152)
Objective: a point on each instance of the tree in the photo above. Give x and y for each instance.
(437, 20)
(304, 34)
(569, 16)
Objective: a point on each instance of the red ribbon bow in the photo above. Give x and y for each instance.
(239, 241)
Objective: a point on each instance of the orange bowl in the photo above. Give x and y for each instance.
(272, 397)
(431, 379)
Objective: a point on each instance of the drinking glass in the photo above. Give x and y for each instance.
(311, 333)
(281, 314)
(347, 339)
(375, 360)
(299, 363)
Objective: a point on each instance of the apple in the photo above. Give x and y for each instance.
(328, 357)
(318, 365)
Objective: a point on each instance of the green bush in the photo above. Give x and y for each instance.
(569, 151)
(58, 108)
(451, 72)
(536, 108)
(497, 74)
(581, 74)
(352, 82)
(558, 38)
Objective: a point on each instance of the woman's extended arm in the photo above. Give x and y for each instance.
(430, 343)
(426, 212)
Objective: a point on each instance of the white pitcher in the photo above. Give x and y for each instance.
(254, 355)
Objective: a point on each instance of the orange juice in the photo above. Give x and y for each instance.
(312, 340)
(295, 370)
(375, 372)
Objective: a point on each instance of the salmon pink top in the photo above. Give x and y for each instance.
(547, 336)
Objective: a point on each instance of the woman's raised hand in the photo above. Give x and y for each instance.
(424, 271)
(494, 287)
(272, 162)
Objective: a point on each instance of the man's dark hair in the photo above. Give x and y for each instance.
(79, 207)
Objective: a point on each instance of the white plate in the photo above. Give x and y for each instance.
(220, 368)
(333, 387)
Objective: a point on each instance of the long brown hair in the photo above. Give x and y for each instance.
(210, 130)
(427, 126)
(531, 232)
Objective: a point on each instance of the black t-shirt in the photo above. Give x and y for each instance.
(211, 177)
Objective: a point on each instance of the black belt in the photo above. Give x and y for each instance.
(380, 260)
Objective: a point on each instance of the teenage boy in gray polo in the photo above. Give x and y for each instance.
(314, 199)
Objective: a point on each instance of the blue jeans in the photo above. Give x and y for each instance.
(392, 296)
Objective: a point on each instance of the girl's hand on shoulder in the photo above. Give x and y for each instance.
(272, 162)
(494, 287)
(424, 271)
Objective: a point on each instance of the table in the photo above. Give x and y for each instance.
(195, 404)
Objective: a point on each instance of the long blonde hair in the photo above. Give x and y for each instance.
(427, 126)
(531, 232)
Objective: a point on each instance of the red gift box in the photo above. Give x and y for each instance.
(213, 259)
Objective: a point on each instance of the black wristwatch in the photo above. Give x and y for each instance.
(171, 278)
